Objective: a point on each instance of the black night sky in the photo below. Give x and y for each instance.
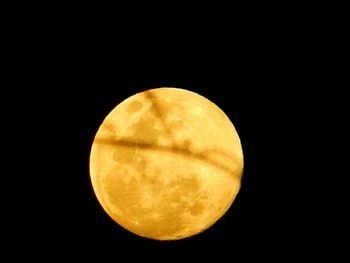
(262, 218)
(259, 81)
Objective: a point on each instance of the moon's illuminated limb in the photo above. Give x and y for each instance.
(166, 163)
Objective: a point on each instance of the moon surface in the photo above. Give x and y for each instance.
(166, 164)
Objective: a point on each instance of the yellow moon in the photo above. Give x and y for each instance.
(166, 164)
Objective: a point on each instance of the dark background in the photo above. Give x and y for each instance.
(266, 78)
(266, 215)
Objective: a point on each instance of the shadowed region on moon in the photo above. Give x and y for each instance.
(134, 107)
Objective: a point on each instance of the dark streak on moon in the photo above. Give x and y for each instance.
(171, 149)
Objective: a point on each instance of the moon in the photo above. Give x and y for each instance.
(166, 164)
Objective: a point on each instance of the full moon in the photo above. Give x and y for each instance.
(166, 164)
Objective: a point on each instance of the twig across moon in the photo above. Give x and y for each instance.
(166, 163)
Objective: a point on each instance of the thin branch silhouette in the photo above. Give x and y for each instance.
(157, 111)
(182, 149)
(202, 156)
